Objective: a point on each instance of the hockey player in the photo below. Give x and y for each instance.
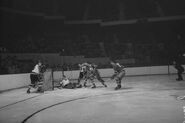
(83, 72)
(180, 70)
(119, 73)
(36, 77)
(90, 76)
(97, 74)
(65, 83)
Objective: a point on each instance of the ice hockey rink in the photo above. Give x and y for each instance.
(143, 99)
(45, 43)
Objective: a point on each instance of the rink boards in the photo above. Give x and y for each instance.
(12, 81)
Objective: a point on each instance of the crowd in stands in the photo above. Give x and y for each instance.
(144, 55)
(148, 53)
(11, 65)
(147, 43)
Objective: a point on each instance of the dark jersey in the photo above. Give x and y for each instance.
(179, 67)
(118, 68)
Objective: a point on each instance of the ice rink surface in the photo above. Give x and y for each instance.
(143, 99)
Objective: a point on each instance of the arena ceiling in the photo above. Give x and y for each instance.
(107, 10)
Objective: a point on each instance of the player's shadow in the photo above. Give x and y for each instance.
(125, 88)
(100, 87)
(89, 86)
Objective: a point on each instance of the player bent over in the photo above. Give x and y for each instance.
(83, 71)
(90, 76)
(119, 73)
(97, 74)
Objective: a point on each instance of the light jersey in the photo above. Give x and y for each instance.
(64, 82)
(36, 69)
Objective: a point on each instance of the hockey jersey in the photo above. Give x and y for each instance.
(118, 68)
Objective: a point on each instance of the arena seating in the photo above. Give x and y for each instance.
(146, 42)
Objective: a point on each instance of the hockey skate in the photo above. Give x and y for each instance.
(85, 84)
(104, 85)
(118, 87)
(179, 79)
(28, 91)
(93, 86)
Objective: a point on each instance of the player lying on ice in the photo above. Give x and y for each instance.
(66, 83)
